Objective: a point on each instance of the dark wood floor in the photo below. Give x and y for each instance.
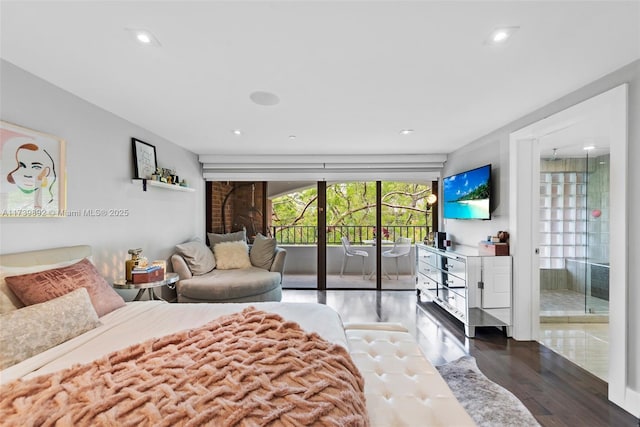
(556, 391)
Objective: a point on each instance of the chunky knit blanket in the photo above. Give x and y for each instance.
(246, 369)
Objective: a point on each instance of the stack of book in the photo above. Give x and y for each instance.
(149, 273)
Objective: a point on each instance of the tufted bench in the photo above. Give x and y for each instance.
(402, 388)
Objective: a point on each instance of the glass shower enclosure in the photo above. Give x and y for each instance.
(574, 232)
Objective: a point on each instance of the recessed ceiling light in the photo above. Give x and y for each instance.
(292, 137)
(589, 147)
(501, 35)
(406, 131)
(264, 98)
(144, 37)
(236, 132)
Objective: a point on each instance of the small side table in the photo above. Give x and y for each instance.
(169, 279)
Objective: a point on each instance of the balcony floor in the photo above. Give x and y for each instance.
(350, 281)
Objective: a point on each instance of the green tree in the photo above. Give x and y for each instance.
(353, 204)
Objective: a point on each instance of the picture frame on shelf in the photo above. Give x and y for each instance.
(145, 161)
(33, 170)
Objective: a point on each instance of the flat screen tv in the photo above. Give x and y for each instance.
(467, 195)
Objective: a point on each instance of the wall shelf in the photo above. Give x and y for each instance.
(158, 184)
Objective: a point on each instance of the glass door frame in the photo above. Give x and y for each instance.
(322, 236)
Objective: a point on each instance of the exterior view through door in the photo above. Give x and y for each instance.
(351, 207)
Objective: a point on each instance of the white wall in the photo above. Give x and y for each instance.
(494, 148)
(99, 172)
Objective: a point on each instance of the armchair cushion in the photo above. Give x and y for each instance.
(236, 285)
(198, 257)
(262, 252)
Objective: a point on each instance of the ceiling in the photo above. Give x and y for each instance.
(349, 75)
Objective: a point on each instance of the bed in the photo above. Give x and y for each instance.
(379, 363)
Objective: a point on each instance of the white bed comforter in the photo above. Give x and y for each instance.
(139, 321)
(401, 386)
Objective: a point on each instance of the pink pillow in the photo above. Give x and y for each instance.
(35, 288)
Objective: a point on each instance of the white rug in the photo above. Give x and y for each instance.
(489, 404)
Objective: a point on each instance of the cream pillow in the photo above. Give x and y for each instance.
(39, 327)
(230, 255)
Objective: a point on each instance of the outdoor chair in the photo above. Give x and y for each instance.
(401, 247)
(350, 252)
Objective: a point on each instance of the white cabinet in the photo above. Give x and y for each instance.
(474, 289)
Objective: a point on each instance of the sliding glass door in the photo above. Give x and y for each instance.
(331, 232)
(405, 219)
(350, 233)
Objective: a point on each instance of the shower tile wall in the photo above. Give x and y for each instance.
(563, 229)
(570, 227)
(598, 200)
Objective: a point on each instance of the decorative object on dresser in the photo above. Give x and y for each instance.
(493, 249)
(497, 245)
(439, 240)
(473, 288)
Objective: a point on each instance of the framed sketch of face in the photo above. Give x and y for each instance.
(144, 159)
(32, 173)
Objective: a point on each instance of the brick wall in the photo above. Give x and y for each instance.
(243, 208)
(218, 192)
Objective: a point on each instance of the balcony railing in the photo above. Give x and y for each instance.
(308, 234)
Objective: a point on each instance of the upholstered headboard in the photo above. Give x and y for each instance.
(45, 256)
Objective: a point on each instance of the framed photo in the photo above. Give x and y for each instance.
(32, 173)
(144, 159)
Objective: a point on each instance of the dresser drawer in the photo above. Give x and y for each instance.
(453, 281)
(454, 302)
(430, 272)
(425, 284)
(456, 267)
(425, 268)
(428, 258)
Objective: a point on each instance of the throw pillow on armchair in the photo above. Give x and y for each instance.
(231, 255)
(263, 252)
